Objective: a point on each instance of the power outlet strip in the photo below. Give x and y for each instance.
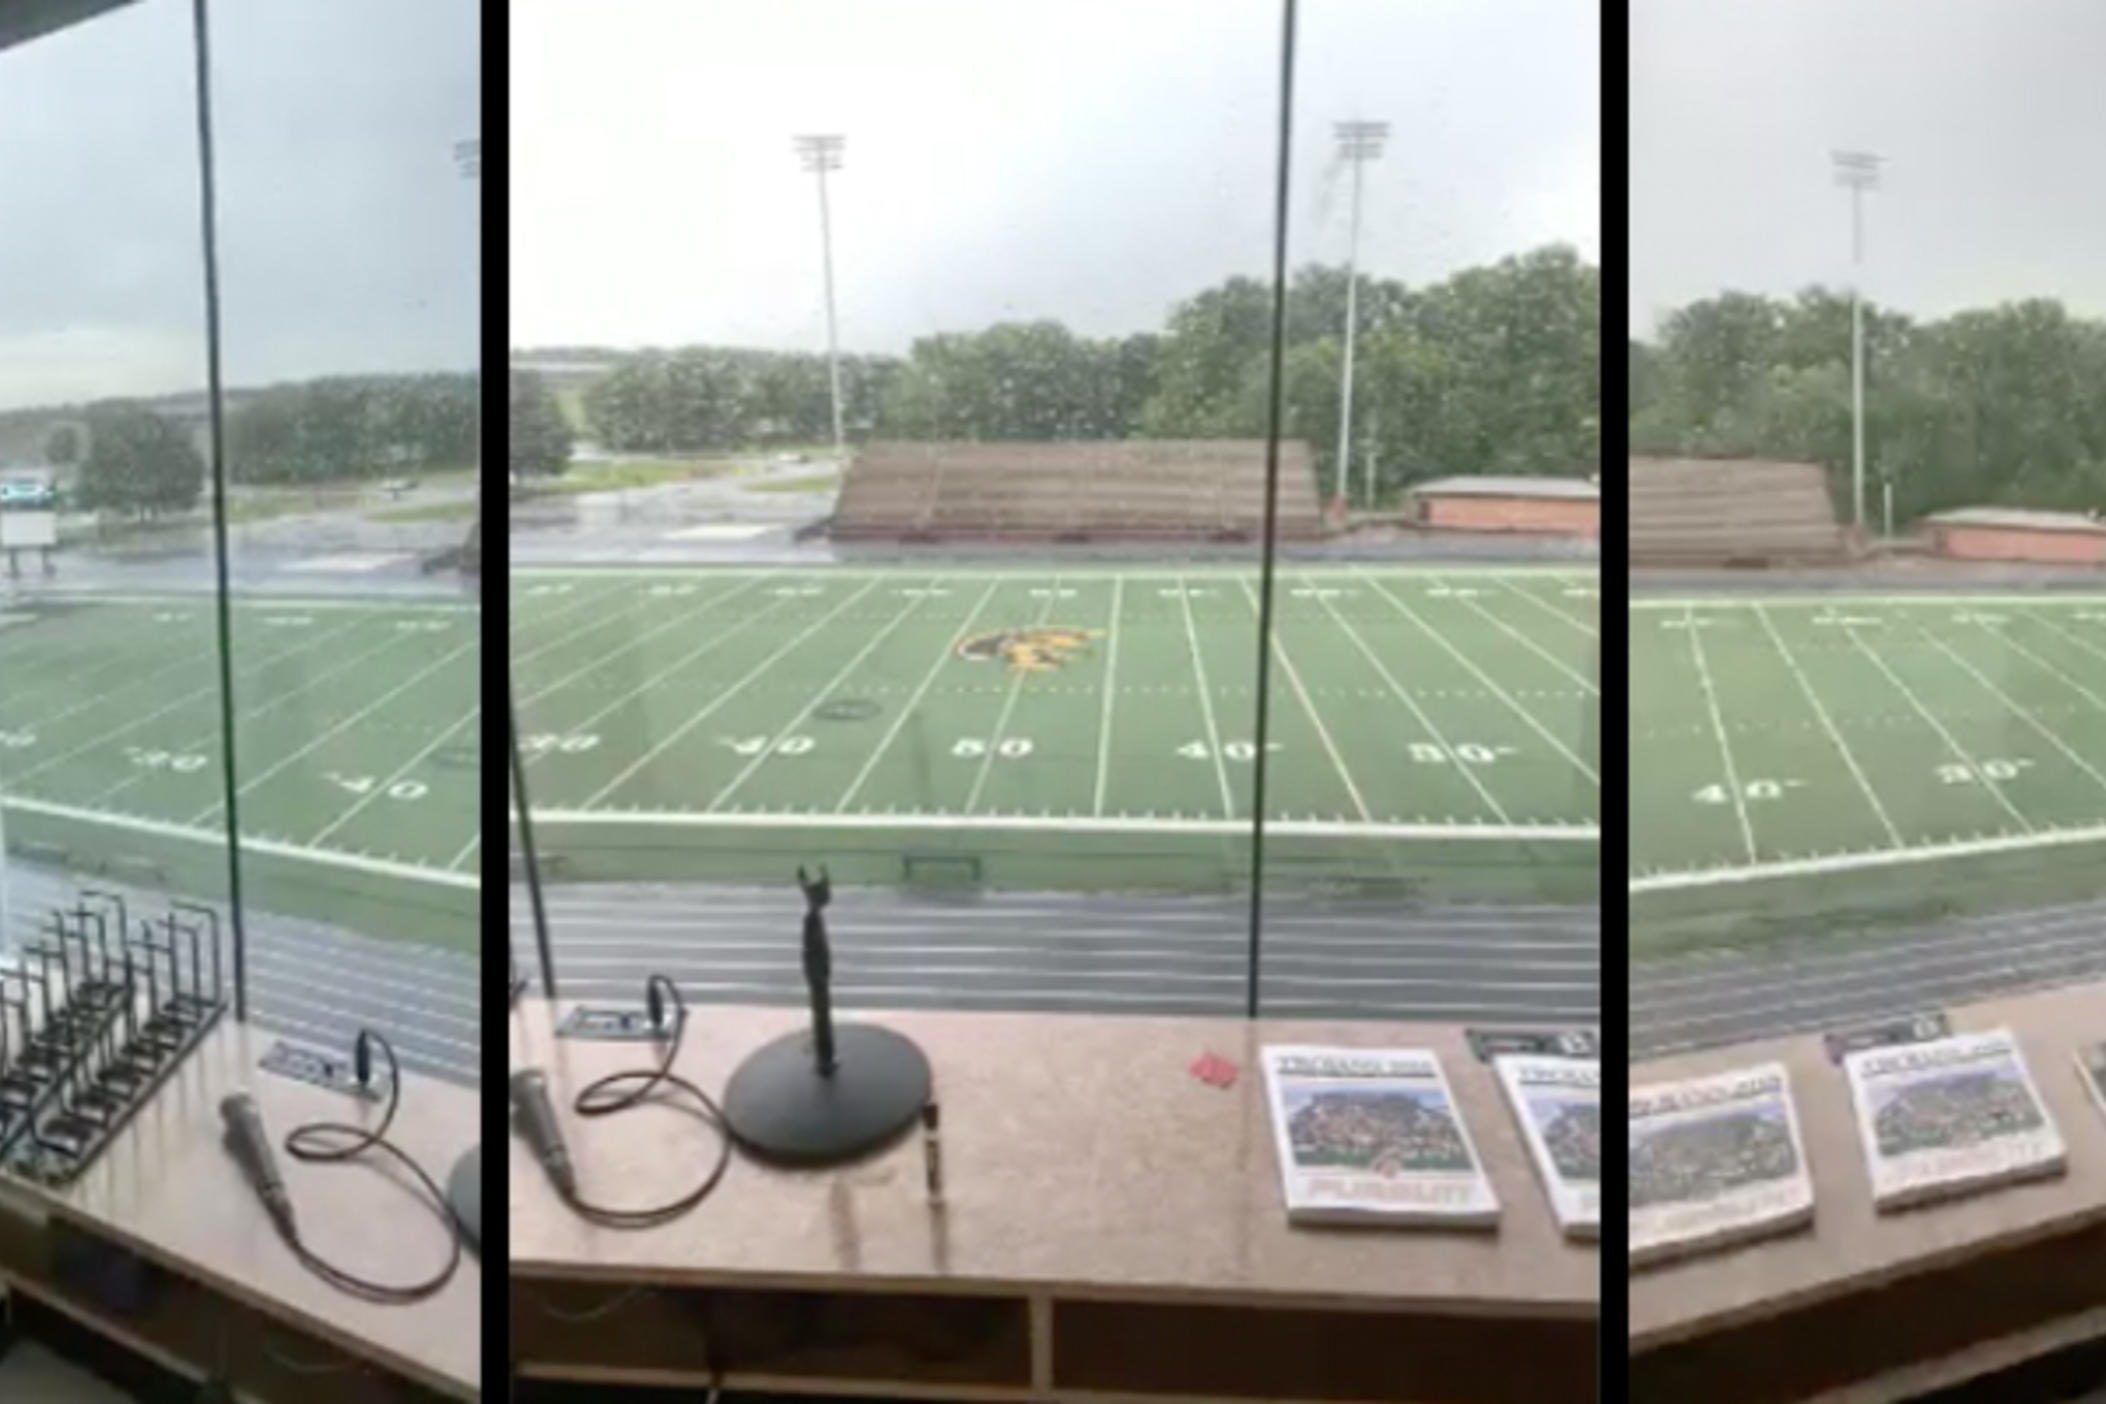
(329, 1071)
(614, 1023)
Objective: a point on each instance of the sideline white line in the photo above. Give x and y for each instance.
(1111, 684)
(1489, 681)
(217, 838)
(1425, 721)
(1323, 733)
(1850, 631)
(1854, 862)
(1718, 728)
(1517, 570)
(1849, 759)
(819, 695)
(943, 656)
(1821, 599)
(708, 709)
(1315, 828)
(1206, 699)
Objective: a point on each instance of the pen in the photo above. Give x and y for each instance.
(934, 1151)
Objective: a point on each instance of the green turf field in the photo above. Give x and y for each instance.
(357, 750)
(1928, 753)
(1092, 725)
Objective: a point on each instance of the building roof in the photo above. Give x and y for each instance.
(1573, 488)
(2020, 518)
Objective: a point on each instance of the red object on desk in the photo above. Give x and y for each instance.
(1214, 1070)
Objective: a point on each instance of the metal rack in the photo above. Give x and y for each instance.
(92, 1021)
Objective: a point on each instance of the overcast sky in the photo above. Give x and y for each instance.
(1092, 161)
(1991, 115)
(348, 237)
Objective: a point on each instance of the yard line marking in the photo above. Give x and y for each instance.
(2011, 704)
(1417, 711)
(411, 764)
(208, 690)
(1718, 729)
(1016, 688)
(1082, 824)
(725, 696)
(2008, 642)
(211, 736)
(708, 646)
(761, 758)
(564, 611)
(1111, 683)
(1530, 644)
(1849, 759)
(686, 616)
(358, 716)
(1323, 733)
(2064, 633)
(949, 651)
(1548, 608)
(462, 857)
(1850, 632)
(1206, 699)
(1501, 693)
(217, 838)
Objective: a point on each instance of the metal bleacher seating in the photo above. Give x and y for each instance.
(1197, 490)
(1715, 511)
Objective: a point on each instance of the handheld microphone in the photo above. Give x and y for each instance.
(246, 1142)
(537, 1120)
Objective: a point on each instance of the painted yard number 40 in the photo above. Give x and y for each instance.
(1750, 790)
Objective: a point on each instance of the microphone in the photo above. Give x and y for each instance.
(247, 1143)
(537, 1120)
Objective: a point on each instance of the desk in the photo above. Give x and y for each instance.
(1113, 1227)
(167, 1190)
(1870, 1306)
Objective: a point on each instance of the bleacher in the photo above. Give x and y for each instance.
(1717, 511)
(1140, 490)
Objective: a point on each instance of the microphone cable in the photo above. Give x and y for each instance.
(600, 1098)
(336, 1142)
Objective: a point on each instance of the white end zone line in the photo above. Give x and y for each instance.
(160, 828)
(1854, 862)
(1078, 824)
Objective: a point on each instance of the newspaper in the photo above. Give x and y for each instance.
(1715, 1160)
(1373, 1135)
(2091, 1066)
(1558, 1103)
(1948, 1116)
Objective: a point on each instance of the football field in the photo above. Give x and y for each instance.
(1089, 726)
(1905, 744)
(357, 751)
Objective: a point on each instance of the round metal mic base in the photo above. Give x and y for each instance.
(780, 1108)
(464, 1191)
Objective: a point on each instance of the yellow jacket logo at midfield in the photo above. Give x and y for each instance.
(1040, 650)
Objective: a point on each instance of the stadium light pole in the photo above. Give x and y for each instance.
(1359, 143)
(820, 154)
(1858, 171)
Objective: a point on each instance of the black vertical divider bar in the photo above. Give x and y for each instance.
(1273, 416)
(526, 846)
(208, 202)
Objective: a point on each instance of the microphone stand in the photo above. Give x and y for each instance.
(827, 1093)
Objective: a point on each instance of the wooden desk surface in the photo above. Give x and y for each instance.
(1850, 1247)
(1079, 1155)
(167, 1189)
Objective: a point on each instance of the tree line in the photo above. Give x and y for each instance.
(2002, 406)
(1493, 370)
